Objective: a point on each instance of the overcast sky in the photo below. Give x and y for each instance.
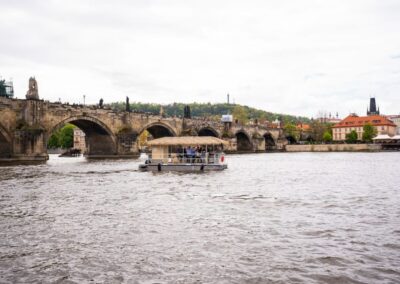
(295, 57)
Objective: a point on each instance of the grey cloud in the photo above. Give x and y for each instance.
(297, 58)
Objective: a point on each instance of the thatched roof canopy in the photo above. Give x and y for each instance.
(187, 141)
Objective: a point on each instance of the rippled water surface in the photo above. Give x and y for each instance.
(269, 218)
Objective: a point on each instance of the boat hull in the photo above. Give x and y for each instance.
(182, 167)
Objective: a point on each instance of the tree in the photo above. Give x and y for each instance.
(369, 132)
(351, 137)
(241, 114)
(3, 92)
(67, 136)
(63, 137)
(318, 130)
(327, 137)
(291, 132)
(54, 140)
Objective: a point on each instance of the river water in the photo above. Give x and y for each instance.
(269, 218)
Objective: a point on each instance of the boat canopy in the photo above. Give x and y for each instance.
(187, 141)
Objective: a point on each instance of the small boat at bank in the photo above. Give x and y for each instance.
(186, 154)
(71, 153)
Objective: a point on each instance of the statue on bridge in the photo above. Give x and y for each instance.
(186, 112)
(127, 106)
(101, 103)
(33, 93)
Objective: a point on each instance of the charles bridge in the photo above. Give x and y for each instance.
(26, 126)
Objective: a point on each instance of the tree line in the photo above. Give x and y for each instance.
(209, 110)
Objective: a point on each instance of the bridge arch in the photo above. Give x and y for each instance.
(100, 140)
(208, 131)
(270, 143)
(243, 141)
(5, 143)
(158, 130)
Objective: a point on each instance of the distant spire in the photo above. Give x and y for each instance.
(372, 107)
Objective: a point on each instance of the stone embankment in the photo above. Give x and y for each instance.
(334, 148)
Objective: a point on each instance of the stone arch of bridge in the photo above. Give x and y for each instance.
(100, 140)
(158, 130)
(243, 141)
(270, 143)
(5, 142)
(208, 131)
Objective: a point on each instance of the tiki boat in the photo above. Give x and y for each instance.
(185, 154)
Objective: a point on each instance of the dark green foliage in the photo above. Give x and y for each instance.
(368, 133)
(351, 137)
(327, 137)
(3, 92)
(291, 132)
(63, 138)
(67, 136)
(206, 110)
(318, 130)
(54, 140)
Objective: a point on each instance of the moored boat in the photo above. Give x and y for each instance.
(185, 154)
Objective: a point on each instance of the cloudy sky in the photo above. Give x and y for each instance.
(296, 57)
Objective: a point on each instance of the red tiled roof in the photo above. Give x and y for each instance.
(303, 126)
(356, 121)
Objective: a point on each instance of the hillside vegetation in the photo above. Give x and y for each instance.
(212, 111)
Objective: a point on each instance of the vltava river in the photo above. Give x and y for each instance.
(269, 218)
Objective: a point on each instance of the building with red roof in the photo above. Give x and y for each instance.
(354, 122)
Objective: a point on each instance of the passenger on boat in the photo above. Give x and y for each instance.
(184, 154)
(191, 154)
(175, 159)
(203, 156)
(180, 152)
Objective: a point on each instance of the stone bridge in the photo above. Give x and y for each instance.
(26, 126)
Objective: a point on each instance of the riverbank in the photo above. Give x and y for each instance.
(334, 148)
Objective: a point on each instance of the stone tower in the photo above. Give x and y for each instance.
(33, 93)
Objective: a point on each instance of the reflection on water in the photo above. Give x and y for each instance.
(300, 218)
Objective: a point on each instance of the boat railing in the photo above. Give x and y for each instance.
(181, 158)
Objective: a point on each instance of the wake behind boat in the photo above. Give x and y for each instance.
(186, 154)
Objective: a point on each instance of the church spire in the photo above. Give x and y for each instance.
(372, 107)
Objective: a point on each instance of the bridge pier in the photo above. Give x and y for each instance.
(26, 146)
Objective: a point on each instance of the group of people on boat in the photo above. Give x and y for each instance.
(182, 154)
(191, 154)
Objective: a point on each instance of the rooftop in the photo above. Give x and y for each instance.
(356, 121)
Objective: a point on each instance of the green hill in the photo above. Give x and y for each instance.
(213, 111)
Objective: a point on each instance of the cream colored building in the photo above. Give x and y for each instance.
(79, 140)
(396, 120)
(353, 122)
